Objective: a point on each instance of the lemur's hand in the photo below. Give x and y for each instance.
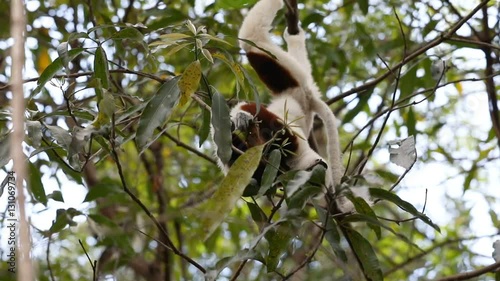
(241, 121)
(317, 162)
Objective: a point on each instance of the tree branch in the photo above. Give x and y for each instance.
(471, 274)
(438, 40)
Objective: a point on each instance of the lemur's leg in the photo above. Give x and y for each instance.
(275, 67)
(297, 49)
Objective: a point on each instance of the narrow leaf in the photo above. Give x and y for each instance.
(258, 216)
(271, 170)
(53, 68)
(225, 197)
(62, 50)
(221, 124)
(100, 190)
(174, 36)
(363, 208)
(243, 255)
(190, 81)
(157, 111)
(128, 33)
(56, 196)
(366, 255)
(278, 240)
(211, 37)
(391, 197)
(36, 186)
(62, 136)
(299, 198)
(101, 68)
(363, 5)
(206, 53)
(34, 132)
(177, 48)
(204, 130)
(332, 234)
(4, 150)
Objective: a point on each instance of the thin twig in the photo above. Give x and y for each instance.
(93, 264)
(431, 250)
(90, 73)
(393, 101)
(47, 253)
(189, 148)
(143, 207)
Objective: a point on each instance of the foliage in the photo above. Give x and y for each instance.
(122, 98)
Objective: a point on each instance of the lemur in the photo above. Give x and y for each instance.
(288, 120)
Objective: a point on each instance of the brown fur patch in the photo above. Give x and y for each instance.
(267, 126)
(276, 77)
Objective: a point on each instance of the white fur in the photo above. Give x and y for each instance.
(303, 101)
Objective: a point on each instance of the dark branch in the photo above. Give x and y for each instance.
(292, 17)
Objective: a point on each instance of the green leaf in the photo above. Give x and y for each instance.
(278, 240)
(128, 33)
(404, 205)
(243, 255)
(62, 50)
(103, 189)
(363, 208)
(233, 4)
(411, 122)
(190, 81)
(204, 130)
(157, 111)
(206, 53)
(34, 129)
(4, 150)
(225, 197)
(258, 215)
(271, 170)
(408, 82)
(211, 37)
(221, 123)
(64, 218)
(177, 48)
(172, 37)
(366, 255)
(53, 68)
(374, 221)
(470, 176)
(293, 180)
(332, 234)
(56, 196)
(102, 220)
(101, 68)
(234, 67)
(62, 136)
(363, 5)
(36, 185)
(60, 222)
(107, 104)
(430, 26)
(362, 104)
(300, 198)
